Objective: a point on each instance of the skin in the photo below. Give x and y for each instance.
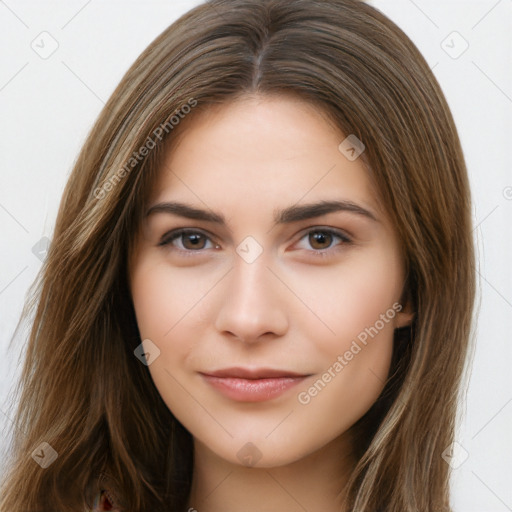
(207, 308)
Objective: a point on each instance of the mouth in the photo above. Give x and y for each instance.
(252, 385)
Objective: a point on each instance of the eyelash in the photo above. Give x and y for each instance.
(168, 238)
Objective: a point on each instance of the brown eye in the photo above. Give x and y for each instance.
(324, 242)
(320, 239)
(187, 241)
(193, 241)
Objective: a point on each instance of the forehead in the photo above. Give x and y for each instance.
(262, 151)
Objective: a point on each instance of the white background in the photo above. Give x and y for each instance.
(47, 107)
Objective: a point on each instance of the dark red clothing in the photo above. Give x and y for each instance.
(104, 502)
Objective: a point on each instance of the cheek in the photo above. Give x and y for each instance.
(353, 301)
(355, 361)
(356, 302)
(158, 309)
(170, 311)
(148, 300)
(163, 298)
(163, 306)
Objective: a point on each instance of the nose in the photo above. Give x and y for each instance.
(253, 304)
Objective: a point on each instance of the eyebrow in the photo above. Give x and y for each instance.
(288, 215)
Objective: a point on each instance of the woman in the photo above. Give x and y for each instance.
(195, 347)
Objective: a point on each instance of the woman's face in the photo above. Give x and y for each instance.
(269, 323)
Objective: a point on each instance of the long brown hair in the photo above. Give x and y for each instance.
(82, 389)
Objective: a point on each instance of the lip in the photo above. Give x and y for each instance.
(252, 384)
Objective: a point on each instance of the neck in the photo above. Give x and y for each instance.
(315, 482)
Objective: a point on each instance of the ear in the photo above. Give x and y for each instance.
(405, 316)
